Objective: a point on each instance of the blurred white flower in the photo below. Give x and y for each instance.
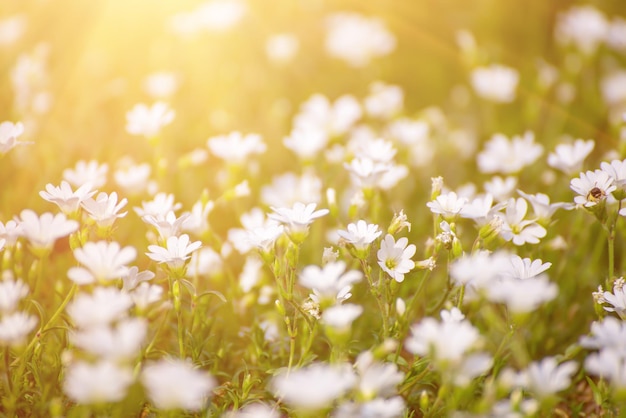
(119, 342)
(502, 155)
(104, 306)
(148, 121)
(103, 261)
(10, 232)
(12, 28)
(198, 221)
(146, 294)
(481, 209)
(384, 100)
(281, 47)
(608, 364)
(376, 378)
(394, 257)
(546, 377)
(609, 333)
(366, 173)
(616, 36)
(496, 83)
(569, 158)
(9, 132)
(87, 172)
(133, 178)
(341, 317)
(501, 188)
(447, 342)
(584, 26)
(173, 384)
(357, 39)
(159, 206)
(254, 410)
(205, 262)
(211, 16)
(15, 327)
(133, 277)
(525, 295)
(161, 85)
(289, 188)
(313, 387)
(378, 407)
(236, 148)
(11, 292)
(330, 283)
(42, 231)
(97, 383)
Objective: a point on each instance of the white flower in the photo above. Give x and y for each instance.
(478, 271)
(569, 157)
(102, 261)
(378, 150)
(168, 225)
(9, 132)
(360, 235)
(330, 282)
(11, 292)
(502, 155)
(236, 148)
(263, 238)
(176, 253)
(313, 387)
(298, 218)
(448, 205)
(148, 121)
(65, 198)
(104, 209)
(517, 229)
(205, 262)
(394, 257)
(15, 327)
(542, 207)
(616, 169)
(584, 26)
(333, 119)
(173, 384)
(496, 83)
(97, 383)
(341, 317)
(592, 187)
(525, 268)
(87, 172)
(306, 143)
(617, 300)
(357, 39)
(132, 278)
(105, 305)
(42, 231)
(12, 28)
(481, 209)
(120, 342)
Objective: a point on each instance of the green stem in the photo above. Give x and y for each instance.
(47, 326)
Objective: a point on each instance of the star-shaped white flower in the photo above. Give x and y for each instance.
(177, 252)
